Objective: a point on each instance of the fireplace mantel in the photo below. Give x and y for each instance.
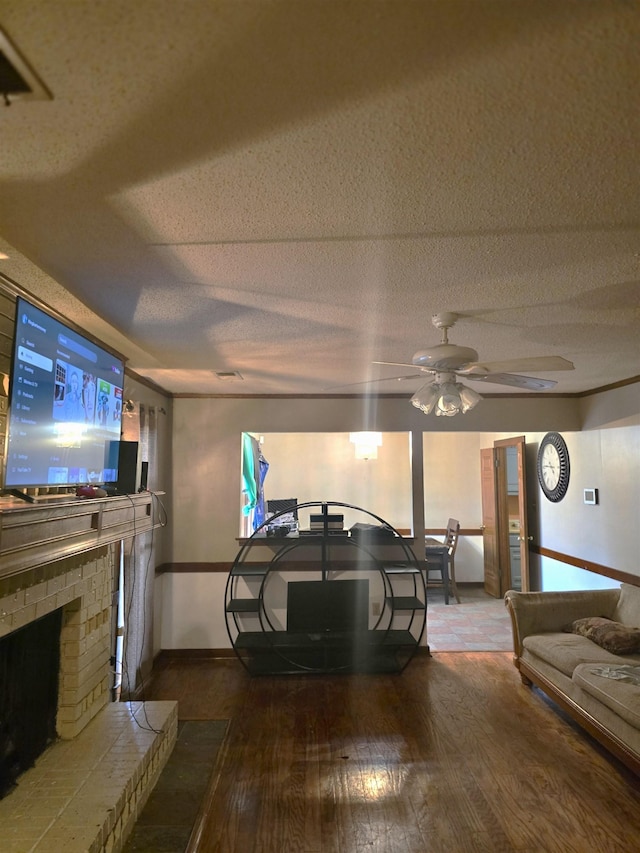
(32, 535)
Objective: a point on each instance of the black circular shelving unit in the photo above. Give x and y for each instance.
(325, 600)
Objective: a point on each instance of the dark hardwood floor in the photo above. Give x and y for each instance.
(453, 755)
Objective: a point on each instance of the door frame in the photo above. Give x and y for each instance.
(502, 511)
(490, 539)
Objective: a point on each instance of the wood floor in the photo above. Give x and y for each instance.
(452, 755)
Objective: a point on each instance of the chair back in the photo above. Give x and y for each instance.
(451, 538)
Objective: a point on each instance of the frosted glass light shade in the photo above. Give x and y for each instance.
(426, 397)
(468, 398)
(447, 398)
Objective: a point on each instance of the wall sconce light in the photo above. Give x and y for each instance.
(366, 444)
(446, 396)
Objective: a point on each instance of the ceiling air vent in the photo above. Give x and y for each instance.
(18, 82)
(227, 375)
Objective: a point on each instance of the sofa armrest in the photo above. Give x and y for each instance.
(537, 612)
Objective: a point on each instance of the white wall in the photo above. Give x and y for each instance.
(322, 467)
(605, 455)
(206, 450)
(609, 532)
(452, 477)
(452, 490)
(206, 471)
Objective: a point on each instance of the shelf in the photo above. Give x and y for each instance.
(401, 570)
(252, 640)
(406, 602)
(35, 534)
(243, 605)
(283, 640)
(368, 566)
(287, 654)
(248, 570)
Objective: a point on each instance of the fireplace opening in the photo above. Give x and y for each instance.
(29, 675)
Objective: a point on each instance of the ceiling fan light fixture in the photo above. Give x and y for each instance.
(426, 397)
(468, 398)
(449, 402)
(446, 398)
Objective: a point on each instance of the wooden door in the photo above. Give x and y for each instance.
(504, 516)
(490, 522)
(522, 517)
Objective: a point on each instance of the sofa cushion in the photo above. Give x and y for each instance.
(627, 609)
(612, 636)
(566, 651)
(622, 697)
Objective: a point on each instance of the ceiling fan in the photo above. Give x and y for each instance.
(447, 361)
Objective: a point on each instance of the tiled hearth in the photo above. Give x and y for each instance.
(86, 790)
(85, 795)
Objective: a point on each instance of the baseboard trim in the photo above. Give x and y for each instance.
(182, 654)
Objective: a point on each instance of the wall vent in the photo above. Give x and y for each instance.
(18, 82)
(228, 375)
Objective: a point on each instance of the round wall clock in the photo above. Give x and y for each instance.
(553, 466)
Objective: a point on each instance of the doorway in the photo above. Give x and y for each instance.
(479, 623)
(504, 516)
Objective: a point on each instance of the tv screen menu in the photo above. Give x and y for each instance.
(65, 404)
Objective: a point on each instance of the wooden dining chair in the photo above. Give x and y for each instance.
(441, 558)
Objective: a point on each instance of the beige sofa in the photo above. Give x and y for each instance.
(597, 687)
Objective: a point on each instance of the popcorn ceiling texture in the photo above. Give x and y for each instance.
(290, 190)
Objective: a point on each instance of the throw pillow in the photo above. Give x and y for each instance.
(609, 635)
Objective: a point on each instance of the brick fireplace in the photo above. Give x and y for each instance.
(86, 790)
(82, 587)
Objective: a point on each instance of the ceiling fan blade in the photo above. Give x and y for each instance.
(396, 364)
(543, 363)
(380, 379)
(528, 382)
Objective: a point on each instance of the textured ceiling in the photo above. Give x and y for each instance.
(291, 189)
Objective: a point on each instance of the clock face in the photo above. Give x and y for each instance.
(550, 466)
(553, 466)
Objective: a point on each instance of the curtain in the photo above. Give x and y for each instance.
(263, 470)
(254, 470)
(138, 570)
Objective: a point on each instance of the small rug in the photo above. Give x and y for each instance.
(166, 822)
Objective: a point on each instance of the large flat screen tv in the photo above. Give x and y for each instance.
(65, 405)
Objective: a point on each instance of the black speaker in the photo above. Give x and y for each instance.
(144, 476)
(111, 450)
(128, 470)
